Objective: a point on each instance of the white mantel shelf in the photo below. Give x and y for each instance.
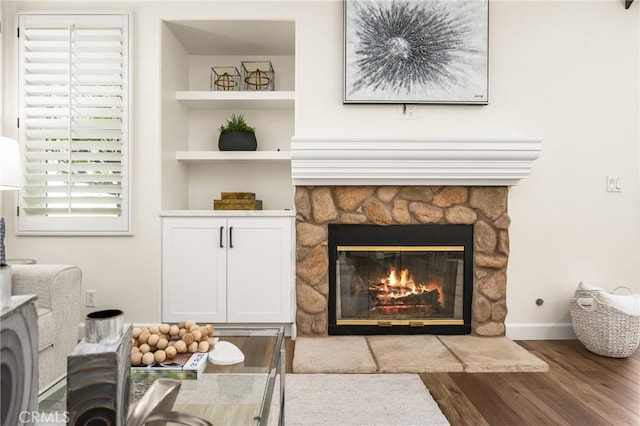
(499, 161)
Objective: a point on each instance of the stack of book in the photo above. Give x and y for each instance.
(182, 367)
(237, 201)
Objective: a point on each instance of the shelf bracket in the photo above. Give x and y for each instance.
(627, 4)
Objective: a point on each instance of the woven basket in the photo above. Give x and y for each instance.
(605, 330)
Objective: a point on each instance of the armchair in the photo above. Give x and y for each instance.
(58, 288)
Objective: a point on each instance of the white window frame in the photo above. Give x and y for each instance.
(92, 223)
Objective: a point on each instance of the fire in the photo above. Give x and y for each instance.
(400, 285)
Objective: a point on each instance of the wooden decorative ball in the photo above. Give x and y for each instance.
(187, 338)
(148, 358)
(160, 356)
(136, 358)
(203, 346)
(153, 340)
(159, 343)
(171, 352)
(181, 347)
(144, 336)
(162, 343)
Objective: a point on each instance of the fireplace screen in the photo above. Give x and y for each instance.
(391, 282)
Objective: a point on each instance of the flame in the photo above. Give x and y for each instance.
(398, 285)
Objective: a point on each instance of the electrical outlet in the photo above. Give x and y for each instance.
(91, 299)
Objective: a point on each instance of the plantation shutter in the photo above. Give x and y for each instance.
(74, 107)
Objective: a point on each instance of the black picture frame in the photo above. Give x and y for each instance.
(416, 52)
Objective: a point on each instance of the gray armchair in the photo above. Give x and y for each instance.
(59, 291)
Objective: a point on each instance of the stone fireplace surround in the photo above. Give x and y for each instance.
(384, 182)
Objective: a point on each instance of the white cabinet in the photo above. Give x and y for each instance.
(227, 269)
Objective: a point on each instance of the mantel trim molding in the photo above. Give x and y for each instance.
(401, 161)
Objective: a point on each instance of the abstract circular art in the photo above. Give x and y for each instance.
(416, 51)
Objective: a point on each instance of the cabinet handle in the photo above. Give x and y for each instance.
(231, 237)
(221, 229)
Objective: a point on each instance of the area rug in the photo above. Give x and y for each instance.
(412, 354)
(358, 399)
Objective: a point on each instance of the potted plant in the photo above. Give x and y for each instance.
(237, 135)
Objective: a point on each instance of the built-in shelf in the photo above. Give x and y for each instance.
(213, 156)
(230, 100)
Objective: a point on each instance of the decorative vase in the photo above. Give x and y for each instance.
(237, 141)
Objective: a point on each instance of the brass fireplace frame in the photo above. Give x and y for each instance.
(403, 238)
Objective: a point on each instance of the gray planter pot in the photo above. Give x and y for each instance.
(237, 141)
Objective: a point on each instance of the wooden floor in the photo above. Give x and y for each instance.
(581, 388)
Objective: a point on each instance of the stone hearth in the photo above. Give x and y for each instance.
(484, 207)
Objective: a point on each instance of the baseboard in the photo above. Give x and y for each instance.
(541, 331)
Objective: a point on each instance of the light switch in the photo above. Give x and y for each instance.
(614, 183)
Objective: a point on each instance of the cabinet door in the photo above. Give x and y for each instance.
(259, 262)
(194, 269)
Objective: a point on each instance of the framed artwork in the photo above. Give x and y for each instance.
(416, 51)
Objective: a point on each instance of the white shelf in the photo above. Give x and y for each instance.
(214, 156)
(245, 99)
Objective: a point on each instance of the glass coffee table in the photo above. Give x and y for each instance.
(239, 394)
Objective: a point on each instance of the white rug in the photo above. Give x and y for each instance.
(359, 399)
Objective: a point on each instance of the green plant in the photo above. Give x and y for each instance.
(236, 124)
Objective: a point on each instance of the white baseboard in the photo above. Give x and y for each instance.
(542, 331)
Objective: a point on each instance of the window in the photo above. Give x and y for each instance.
(73, 125)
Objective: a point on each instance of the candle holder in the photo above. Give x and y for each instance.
(226, 79)
(258, 76)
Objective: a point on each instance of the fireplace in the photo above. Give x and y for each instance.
(413, 279)
(407, 182)
(482, 209)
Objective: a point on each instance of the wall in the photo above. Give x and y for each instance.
(564, 71)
